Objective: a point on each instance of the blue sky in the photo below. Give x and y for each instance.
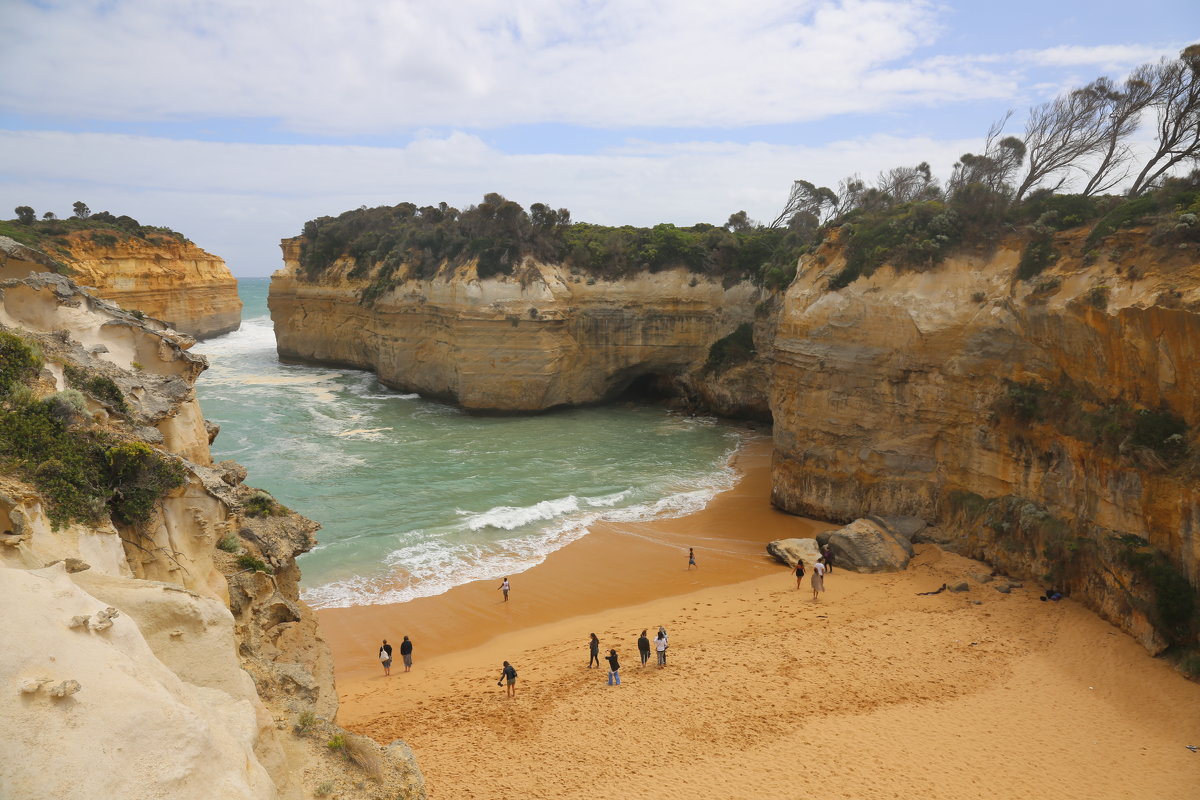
(234, 122)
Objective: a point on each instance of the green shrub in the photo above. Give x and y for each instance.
(338, 742)
(1062, 211)
(1038, 254)
(139, 477)
(249, 562)
(261, 504)
(19, 362)
(912, 235)
(101, 387)
(229, 543)
(305, 722)
(1097, 297)
(1174, 609)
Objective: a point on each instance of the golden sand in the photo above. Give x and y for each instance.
(874, 692)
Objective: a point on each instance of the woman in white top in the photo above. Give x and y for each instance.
(818, 577)
(660, 646)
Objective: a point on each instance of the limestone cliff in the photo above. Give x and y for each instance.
(1020, 416)
(534, 340)
(170, 657)
(166, 277)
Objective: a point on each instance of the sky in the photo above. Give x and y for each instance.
(235, 121)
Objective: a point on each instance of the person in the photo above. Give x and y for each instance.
(385, 657)
(644, 648)
(406, 653)
(660, 647)
(614, 668)
(827, 554)
(594, 646)
(504, 588)
(818, 577)
(691, 558)
(799, 571)
(508, 676)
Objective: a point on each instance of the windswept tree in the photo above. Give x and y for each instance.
(1176, 102)
(25, 215)
(81, 210)
(909, 184)
(1122, 113)
(993, 170)
(806, 198)
(49, 215)
(740, 222)
(1061, 134)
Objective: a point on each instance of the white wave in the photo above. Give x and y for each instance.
(608, 499)
(510, 517)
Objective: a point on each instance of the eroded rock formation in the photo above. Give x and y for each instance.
(530, 341)
(171, 658)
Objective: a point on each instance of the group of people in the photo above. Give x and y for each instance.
(823, 566)
(385, 655)
(643, 645)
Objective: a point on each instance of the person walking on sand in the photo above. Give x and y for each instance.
(644, 648)
(827, 554)
(614, 668)
(385, 657)
(406, 653)
(818, 578)
(799, 571)
(660, 647)
(594, 647)
(692, 558)
(504, 588)
(508, 677)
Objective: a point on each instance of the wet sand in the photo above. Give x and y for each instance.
(873, 692)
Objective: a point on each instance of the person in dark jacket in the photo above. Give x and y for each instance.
(385, 657)
(406, 653)
(614, 668)
(644, 648)
(594, 648)
(508, 676)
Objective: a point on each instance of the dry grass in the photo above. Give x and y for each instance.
(366, 754)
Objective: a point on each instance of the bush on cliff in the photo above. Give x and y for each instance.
(105, 229)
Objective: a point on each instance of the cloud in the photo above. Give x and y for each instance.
(238, 200)
(361, 66)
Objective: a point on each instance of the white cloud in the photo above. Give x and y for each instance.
(238, 200)
(363, 66)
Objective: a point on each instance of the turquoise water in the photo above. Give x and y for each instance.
(416, 497)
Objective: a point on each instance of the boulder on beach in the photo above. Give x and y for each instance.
(786, 551)
(868, 545)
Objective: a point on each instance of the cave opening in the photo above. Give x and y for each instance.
(650, 387)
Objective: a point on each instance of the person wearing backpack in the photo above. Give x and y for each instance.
(508, 676)
(385, 657)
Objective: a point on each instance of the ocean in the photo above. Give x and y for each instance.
(415, 496)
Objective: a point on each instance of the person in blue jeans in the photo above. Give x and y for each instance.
(614, 669)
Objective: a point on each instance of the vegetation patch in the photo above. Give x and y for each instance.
(1038, 254)
(913, 235)
(101, 387)
(249, 562)
(736, 348)
(20, 362)
(1173, 609)
(261, 504)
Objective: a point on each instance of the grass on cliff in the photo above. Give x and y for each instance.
(84, 473)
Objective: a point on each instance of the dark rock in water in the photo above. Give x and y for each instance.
(866, 545)
(787, 551)
(961, 586)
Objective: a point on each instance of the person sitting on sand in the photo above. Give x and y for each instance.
(406, 653)
(504, 588)
(818, 578)
(644, 648)
(508, 676)
(594, 647)
(799, 570)
(614, 668)
(385, 657)
(660, 646)
(692, 558)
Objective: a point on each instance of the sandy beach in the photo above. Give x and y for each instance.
(873, 692)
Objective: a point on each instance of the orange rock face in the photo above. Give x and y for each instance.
(889, 397)
(177, 282)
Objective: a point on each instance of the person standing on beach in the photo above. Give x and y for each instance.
(644, 648)
(385, 657)
(818, 578)
(827, 554)
(614, 668)
(504, 588)
(692, 558)
(660, 647)
(594, 647)
(406, 653)
(799, 571)
(508, 676)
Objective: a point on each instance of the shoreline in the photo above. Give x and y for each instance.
(615, 564)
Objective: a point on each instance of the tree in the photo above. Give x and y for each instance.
(1122, 113)
(49, 215)
(81, 209)
(994, 169)
(909, 184)
(805, 198)
(1061, 133)
(1176, 101)
(739, 222)
(25, 215)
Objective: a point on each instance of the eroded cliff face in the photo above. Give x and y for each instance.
(535, 340)
(175, 281)
(924, 393)
(170, 659)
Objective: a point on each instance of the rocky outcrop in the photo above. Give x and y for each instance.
(789, 551)
(534, 340)
(866, 545)
(995, 408)
(173, 657)
(167, 278)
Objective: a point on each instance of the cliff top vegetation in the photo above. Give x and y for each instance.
(50, 233)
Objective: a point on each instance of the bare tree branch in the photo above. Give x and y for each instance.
(1176, 100)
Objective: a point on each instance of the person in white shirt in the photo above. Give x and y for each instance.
(818, 578)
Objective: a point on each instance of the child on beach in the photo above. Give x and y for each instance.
(818, 578)
(614, 668)
(692, 558)
(504, 588)
(594, 647)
